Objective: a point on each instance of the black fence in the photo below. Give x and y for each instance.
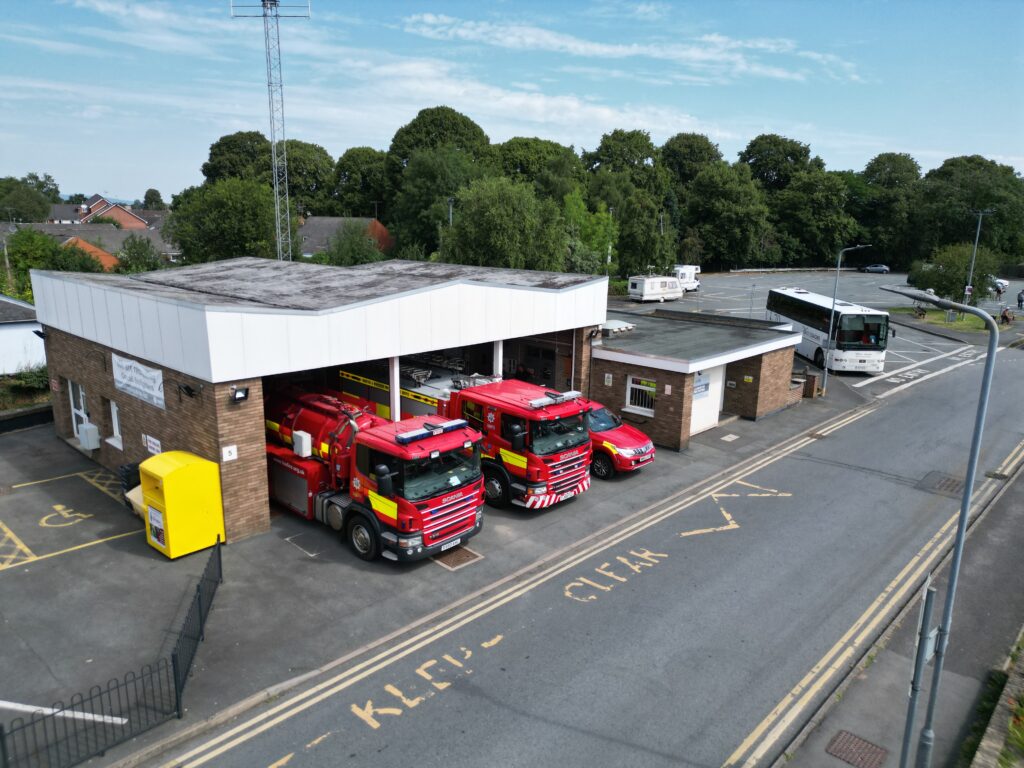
(88, 725)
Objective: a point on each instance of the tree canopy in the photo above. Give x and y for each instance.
(430, 129)
(20, 201)
(223, 220)
(359, 182)
(152, 201)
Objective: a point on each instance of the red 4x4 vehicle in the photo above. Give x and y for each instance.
(617, 447)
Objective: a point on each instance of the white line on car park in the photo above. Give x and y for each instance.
(932, 375)
(904, 368)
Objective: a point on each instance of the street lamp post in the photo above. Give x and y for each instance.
(968, 289)
(451, 202)
(832, 314)
(927, 740)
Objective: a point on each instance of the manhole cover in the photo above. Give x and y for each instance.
(856, 751)
(456, 558)
(939, 482)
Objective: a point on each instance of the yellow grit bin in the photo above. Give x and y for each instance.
(183, 508)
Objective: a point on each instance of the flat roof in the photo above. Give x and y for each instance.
(297, 286)
(686, 343)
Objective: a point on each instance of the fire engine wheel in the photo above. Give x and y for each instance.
(601, 466)
(819, 359)
(496, 488)
(362, 538)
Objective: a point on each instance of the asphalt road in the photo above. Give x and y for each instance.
(703, 633)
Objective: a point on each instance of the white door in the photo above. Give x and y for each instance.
(79, 406)
(708, 396)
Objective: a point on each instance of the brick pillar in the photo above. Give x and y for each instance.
(581, 361)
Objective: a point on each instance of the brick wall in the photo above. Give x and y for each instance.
(670, 425)
(762, 384)
(202, 424)
(582, 363)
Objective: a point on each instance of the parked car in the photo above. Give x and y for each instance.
(879, 268)
(617, 447)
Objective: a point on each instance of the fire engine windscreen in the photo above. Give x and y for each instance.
(602, 420)
(558, 434)
(429, 476)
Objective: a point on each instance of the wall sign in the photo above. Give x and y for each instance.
(151, 444)
(135, 379)
(701, 385)
(748, 379)
(668, 389)
(607, 379)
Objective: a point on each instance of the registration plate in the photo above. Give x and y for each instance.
(450, 544)
(566, 495)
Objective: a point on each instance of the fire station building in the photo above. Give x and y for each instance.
(179, 359)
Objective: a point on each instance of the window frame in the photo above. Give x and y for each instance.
(645, 388)
(115, 426)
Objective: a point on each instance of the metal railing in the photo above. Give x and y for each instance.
(88, 725)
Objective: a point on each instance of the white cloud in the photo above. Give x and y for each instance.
(709, 55)
(58, 46)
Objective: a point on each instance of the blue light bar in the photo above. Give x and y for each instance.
(554, 398)
(430, 430)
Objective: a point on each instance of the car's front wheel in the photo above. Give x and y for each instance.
(601, 466)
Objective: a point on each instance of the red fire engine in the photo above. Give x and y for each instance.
(536, 447)
(405, 490)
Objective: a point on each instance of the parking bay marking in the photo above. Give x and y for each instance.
(12, 549)
(334, 685)
(918, 364)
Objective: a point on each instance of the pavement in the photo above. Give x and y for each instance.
(295, 601)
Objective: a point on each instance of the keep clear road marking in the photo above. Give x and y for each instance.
(532, 578)
(932, 375)
(887, 374)
(804, 693)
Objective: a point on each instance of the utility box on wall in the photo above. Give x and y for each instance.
(182, 500)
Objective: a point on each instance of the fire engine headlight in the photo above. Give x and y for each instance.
(404, 542)
(537, 490)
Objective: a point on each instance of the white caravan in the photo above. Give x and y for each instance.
(688, 276)
(656, 288)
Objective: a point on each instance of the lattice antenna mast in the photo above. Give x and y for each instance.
(271, 11)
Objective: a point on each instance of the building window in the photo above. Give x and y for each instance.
(79, 406)
(640, 395)
(115, 426)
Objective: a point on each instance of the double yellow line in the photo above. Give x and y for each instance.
(840, 656)
(602, 540)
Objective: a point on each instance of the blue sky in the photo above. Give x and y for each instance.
(115, 96)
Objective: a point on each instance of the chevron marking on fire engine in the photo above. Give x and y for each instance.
(383, 506)
(514, 459)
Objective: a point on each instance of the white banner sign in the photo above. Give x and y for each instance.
(138, 380)
(701, 385)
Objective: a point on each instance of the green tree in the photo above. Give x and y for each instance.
(106, 220)
(44, 185)
(29, 249)
(687, 154)
(946, 271)
(641, 245)
(592, 236)
(892, 170)
(241, 155)
(810, 218)
(310, 179)
(504, 224)
(430, 178)
(729, 224)
(138, 254)
(430, 129)
(21, 202)
(610, 188)
(350, 246)
(949, 196)
(77, 198)
(359, 182)
(552, 168)
(774, 160)
(223, 220)
(633, 153)
(152, 201)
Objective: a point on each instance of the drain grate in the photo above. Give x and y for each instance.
(856, 751)
(940, 482)
(457, 558)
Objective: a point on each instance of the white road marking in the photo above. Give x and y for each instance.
(932, 375)
(905, 368)
(73, 714)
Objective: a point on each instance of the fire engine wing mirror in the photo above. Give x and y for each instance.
(384, 485)
(518, 437)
